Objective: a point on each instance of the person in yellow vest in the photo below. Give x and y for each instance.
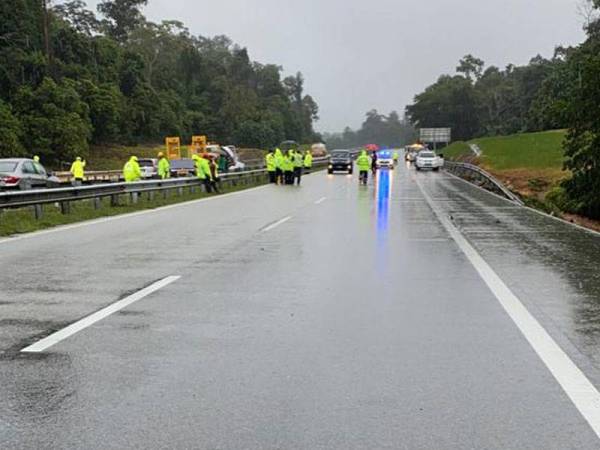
(78, 171)
(271, 167)
(308, 161)
(298, 166)
(278, 166)
(203, 171)
(131, 170)
(36, 158)
(164, 167)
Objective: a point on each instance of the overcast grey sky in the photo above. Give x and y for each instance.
(357, 55)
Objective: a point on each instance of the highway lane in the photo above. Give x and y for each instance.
(355, 323)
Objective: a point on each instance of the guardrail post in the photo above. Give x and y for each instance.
(151, 196)
(37, 211)
(134, 198)
(96, 202)
(165, 194)
(179, 191)
(65, 207)
(114, 200)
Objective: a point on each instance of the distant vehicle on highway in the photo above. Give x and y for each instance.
(24, 174)
(411, 151)
(427, 159)
(149, 167)
(340, 161)
(318, 150)
(385, 159)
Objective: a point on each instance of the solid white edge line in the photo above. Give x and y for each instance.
(102, 220)
(321, 200)
(90, 320)
(276, 224)
(573, 381)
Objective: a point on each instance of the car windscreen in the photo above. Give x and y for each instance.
(8, 166)
(145, 163)
(426, 155)
(340, 155)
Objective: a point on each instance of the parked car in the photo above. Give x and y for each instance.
(427, 159)
(184, 167)
(24, 174)
(148, 167)
(340, 161)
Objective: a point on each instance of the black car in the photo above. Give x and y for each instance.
(340, 161)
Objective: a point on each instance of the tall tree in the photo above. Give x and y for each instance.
(121, 17)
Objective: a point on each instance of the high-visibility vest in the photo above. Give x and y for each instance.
(270, 162)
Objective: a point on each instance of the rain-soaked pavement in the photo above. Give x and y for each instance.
(357, 323)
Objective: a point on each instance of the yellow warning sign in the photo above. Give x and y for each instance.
(198, 145)
(173, 148)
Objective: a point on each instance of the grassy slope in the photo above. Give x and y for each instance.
(530, 163)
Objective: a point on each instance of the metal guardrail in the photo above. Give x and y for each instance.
(480, 177)
(65, 195)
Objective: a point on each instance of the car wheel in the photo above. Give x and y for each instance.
(350, 172)
(330, 172)
(418, 168)
(437, 169)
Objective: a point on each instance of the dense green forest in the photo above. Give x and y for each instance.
(70, 78)
(390, 130)
(561, 92)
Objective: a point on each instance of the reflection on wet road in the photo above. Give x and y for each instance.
(355, 323)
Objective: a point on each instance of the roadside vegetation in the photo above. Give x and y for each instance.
(531, 164)
(547, 94)
(73, 78)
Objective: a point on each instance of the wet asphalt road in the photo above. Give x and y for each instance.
(357, 323)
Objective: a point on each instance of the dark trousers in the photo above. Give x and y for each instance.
(364, 176)
(272, 176)
(289, 177)
(207, 185)
(278, 176)
(298, 175)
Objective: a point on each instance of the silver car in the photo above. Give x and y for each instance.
(20, 173)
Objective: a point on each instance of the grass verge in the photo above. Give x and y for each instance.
(22, 220)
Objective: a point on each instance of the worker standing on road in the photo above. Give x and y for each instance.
(308, 161)
(396, 157)
(271, 167)
(131, 170)
(288, 167)
(77, 170)
(298, 167)
(214, 174)
(363, 163)
(203, 171)
(164, 167)
(278, 166)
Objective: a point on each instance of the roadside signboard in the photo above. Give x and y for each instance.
(436, 135)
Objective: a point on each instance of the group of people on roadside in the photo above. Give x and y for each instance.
(206, 168)
(287, 167)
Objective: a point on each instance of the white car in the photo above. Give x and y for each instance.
(429, 160)
(148, 167)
